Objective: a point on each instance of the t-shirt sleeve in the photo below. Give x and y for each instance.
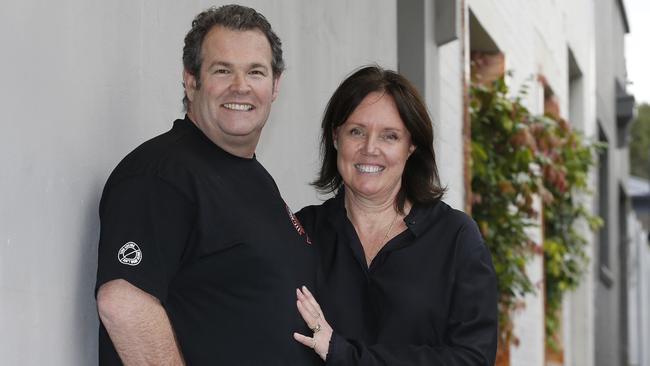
(145, 224)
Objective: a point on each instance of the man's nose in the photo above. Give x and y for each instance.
(240, 83)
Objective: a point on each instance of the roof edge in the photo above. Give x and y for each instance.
(621, 7)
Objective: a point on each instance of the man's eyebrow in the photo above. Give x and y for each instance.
(253, 65)
(256, 65)
(219, 63)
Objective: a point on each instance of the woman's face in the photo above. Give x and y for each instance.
(373, 145)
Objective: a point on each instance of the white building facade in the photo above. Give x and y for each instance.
(89, 81)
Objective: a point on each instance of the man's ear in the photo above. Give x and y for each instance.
(189, 82)
(276, 86)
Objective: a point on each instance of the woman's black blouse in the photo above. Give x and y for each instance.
(428, 298)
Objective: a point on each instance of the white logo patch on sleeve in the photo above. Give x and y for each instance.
(130, 254)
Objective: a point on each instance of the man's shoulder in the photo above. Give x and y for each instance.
(174, 147)
(168, 156)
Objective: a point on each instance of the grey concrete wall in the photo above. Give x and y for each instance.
(86, 81)
(610, 327)
(437, 72)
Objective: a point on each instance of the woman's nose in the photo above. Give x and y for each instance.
(370, 145)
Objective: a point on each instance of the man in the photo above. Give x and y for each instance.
(199, 256)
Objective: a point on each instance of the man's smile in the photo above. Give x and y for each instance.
(238, 106)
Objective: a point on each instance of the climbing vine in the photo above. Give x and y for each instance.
(505, 179)
(515, 157)
(566, 159)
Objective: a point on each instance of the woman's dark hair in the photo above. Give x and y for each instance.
(234, 17)
(420, 180)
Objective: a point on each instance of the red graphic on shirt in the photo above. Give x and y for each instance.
(297, 225)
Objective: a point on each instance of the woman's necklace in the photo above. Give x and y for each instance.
(371, 255)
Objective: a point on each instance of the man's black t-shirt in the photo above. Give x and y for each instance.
(209, 235)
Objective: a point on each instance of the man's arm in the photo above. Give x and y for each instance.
(137, 324)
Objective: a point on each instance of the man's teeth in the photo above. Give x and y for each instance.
(364, 168)
(238, 107)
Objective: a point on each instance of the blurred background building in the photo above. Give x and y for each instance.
(87, 81)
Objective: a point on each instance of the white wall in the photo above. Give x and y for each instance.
(639, 293)
(579, 305)
(529, 319)
(86, 81)
(448, 123)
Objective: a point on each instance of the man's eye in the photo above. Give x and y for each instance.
(258, 73)
(221, 71)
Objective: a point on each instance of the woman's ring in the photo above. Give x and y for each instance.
(316, 329)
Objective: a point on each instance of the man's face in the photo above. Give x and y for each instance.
(237, 88)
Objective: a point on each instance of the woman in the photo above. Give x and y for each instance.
(403, 279)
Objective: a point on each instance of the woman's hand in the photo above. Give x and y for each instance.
(313, 316)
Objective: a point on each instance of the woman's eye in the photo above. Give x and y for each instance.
(355, 132)
(391, 137)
